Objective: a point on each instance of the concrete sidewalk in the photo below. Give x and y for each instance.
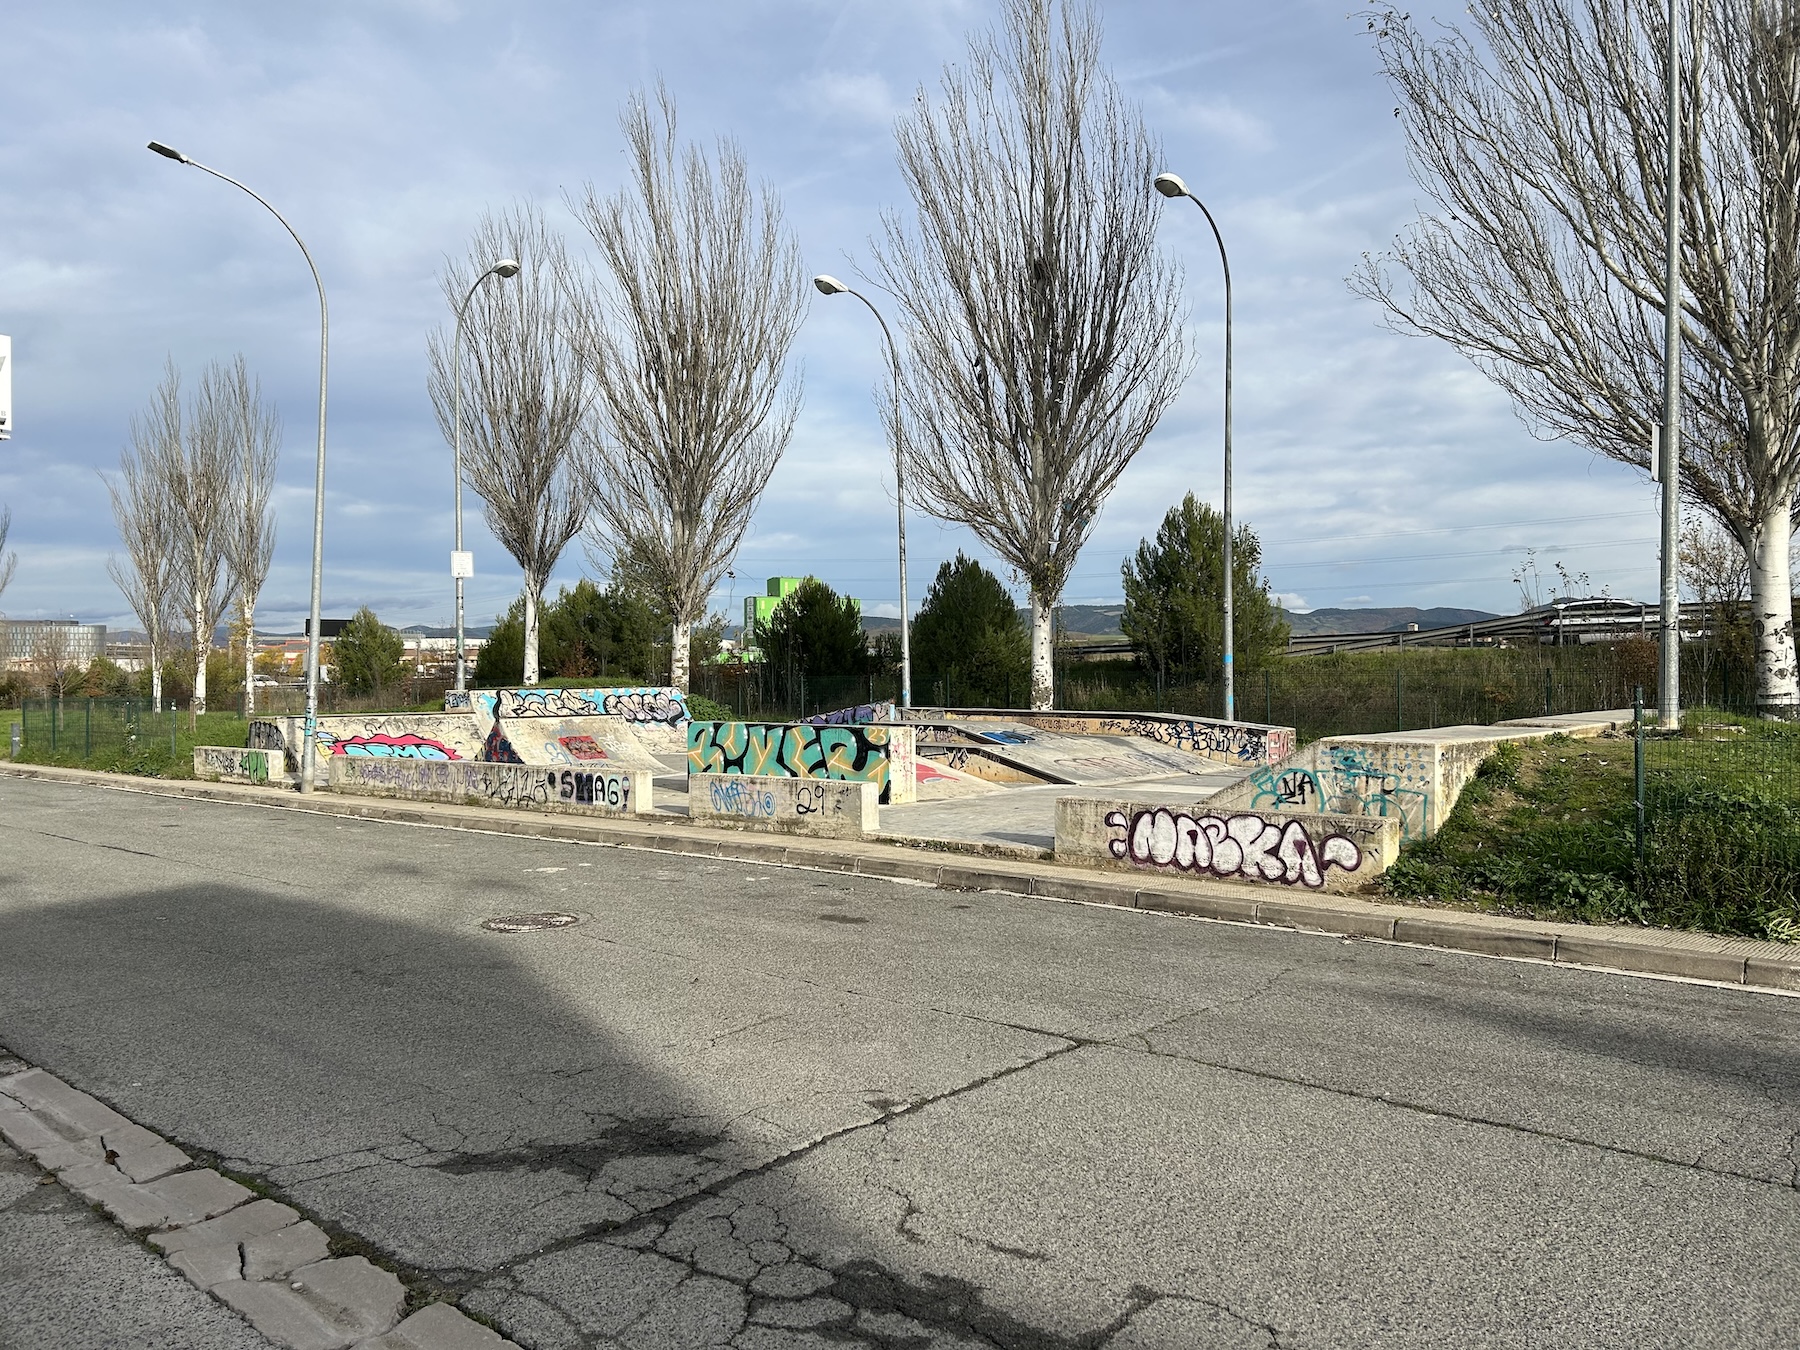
(1699, 956)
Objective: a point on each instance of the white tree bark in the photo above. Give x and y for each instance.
(202, 646)
(681, 634)
(533, 593)
(1772, 617)
(156, 675)
(1043, 654)
(247, 606)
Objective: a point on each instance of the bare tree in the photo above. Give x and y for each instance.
(1043, 327)
(530, 397)
(9, 562)
(254, 433)
(53, 658)
(689, 342)
(1542, 148)
(145, 513)
(1713, 566)
(201, 479)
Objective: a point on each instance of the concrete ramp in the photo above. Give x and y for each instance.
(1059, 757)
(591, 742)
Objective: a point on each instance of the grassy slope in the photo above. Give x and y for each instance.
(1547, 831)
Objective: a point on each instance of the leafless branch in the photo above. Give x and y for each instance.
(688, 335)
(528, 396)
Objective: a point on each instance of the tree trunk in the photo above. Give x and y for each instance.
(531, 634)
(155, 673)
(1772, 617)
(202, 645)
(249, 606)
(1043, 668)
(680, 635)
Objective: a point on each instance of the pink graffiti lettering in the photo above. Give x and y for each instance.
(383, 746)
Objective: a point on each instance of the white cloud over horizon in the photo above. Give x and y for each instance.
(382, 131)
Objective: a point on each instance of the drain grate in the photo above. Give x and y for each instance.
(528, 923)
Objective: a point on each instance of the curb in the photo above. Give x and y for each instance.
(1745, 962)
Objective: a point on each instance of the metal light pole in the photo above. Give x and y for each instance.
(461, 565)
(1171, 186)
(309, 751)
(1668, 692)
(832, 286)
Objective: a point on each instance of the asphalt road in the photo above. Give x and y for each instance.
(765, 1107)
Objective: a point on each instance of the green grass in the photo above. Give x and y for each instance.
(1548, 830)
(111, 744)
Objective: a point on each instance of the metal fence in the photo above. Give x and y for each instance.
(84, 728)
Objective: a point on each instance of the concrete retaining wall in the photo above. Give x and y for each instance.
(885, 756)
(422, 736)
(608, 792)
(1301, 850)
(832, 808)
(235, 764)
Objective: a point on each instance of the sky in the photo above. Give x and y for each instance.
(1377, 469)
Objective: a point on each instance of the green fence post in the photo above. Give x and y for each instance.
(1549, 686)
(174, 722)
(54, 708)
(1399, 700)
(87, 732)
(1637, 737)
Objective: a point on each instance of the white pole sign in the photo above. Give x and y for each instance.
(462, 563)
(5, 387)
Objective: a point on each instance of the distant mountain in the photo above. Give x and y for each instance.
(1088, 620)
(1380, 620)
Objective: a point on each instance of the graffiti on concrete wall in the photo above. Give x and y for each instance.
(488, 784)
(668, 706)
(456, 700)
(1243, 846)
(1287, 789)
(861, 714)
(581, 747)
(1234, 742)
(383, 746)
(1353, 783)
(496, 749)
(738, 799)
(785, 751)
(250, 765)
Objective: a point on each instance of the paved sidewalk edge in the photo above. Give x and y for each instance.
(1741, 961)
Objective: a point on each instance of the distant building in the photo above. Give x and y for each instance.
(24, 641)
(760, 609)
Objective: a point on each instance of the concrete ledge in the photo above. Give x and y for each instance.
(830, 808)
(1299, 850)
(461, 782)
(235, 764)
(1744, 962)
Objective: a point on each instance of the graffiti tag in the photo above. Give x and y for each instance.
(1245, 846)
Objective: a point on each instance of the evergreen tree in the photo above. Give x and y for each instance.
(814, 632)
(1174, 601)
(368, 656)
(606, 635)
(967, 639)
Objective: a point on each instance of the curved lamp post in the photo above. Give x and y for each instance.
(832, 286)
(461, 565)
(1171, 186)
(309, 752)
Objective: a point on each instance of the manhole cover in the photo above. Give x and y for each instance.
(528, 923)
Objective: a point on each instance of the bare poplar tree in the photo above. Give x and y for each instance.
(145, 513)
(9, 562)
(527, 397)
(254, 433)
(689, 337)
(1043, 327)
(201, 480)
(1542, 147)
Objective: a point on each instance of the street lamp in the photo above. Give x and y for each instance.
(309, 751)
(832, 286)
(1171, 186)
(461, 564)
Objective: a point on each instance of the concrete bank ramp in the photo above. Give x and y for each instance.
(441, 736)
(1076, 760)
(593, 742)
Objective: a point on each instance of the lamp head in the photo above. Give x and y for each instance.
(506, 267)
(1170, 185)
(168, 152)
(829, 285)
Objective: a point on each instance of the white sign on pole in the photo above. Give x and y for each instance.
(462, 563)
(5, 387)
